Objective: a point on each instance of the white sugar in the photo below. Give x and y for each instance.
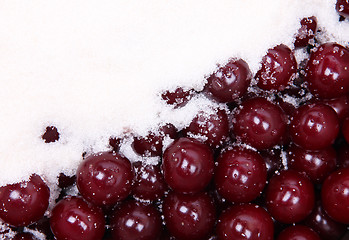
(95, 69)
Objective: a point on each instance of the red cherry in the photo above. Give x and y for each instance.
(335, 195)
(189, 216)
(105, 178)
(136, 221)
(74, 219)
(240, 175)
(188, 165)
(342, 7)
(51, 134)
(314, 126)
(212, 128)
(246, 221)
(325, 226)
(24, 203)
(178, 97)
(327, 71)
(306, 32)
(316, 164)
(260, 123)
(340, 105)
(298, 232)
(230, 81)
(149, 182)
(279, 67)
(290, 196)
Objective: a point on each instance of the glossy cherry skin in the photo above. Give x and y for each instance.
(325, 226)
(342, 7)
(212, 128)
(327, 71)
(340, 105)
(298, 232)
(230, 81)
(189, 216)
(24, 203)
(306, 32)
(105, 178)
(335, 195)
(177, 98)
(290, 196)
(240, 175)
(316, 164)
(74, 219)
(151, 145)
(279, 66)
(51, 134)
(187, 165)
(244, 222)
(149, 182)
(314, 126)
(260, 123)
(136, 221)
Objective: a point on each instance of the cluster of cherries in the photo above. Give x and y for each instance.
(260, 168)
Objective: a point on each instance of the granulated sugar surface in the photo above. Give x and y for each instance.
(95, 69)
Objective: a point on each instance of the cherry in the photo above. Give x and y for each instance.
(149, 182)
(272, 161)
(187, 165)
(316, 164)
(260, 123)
(279, 67)
(325, 226)
(340, 105)
(335, 195)
(73, 218)
(306, 32)
(298, 232)
(342, 7)
(23, 236)
(327, 71)
(104, 178)
(314, 126)
(134, 220)
(24, 203)
(240, 175)
(246, 221)
(189, 216)
(177, 98)
(230, 81)
(151, 145)
(212, 127)
(51, 134)
(290, 196)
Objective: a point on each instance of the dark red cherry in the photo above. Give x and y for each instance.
(51, 134)
(230, 81)
(149, 182)
(24, 203)
(279, 67)
(340, 105)
(290, 196)
(325, 226)
(105, 178)
(136, 221)
(260, 123)
(314, 126)
(189, 216)
(177, 98)
(342, 7)
(335, 195)
(23, 236)
(306, 32)
(298, 232)
(240, 175)
(317, 164)
(151, 145)
(327, 71)
(74, 219)
(188, 165)
(246, 221)
(212, 128)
